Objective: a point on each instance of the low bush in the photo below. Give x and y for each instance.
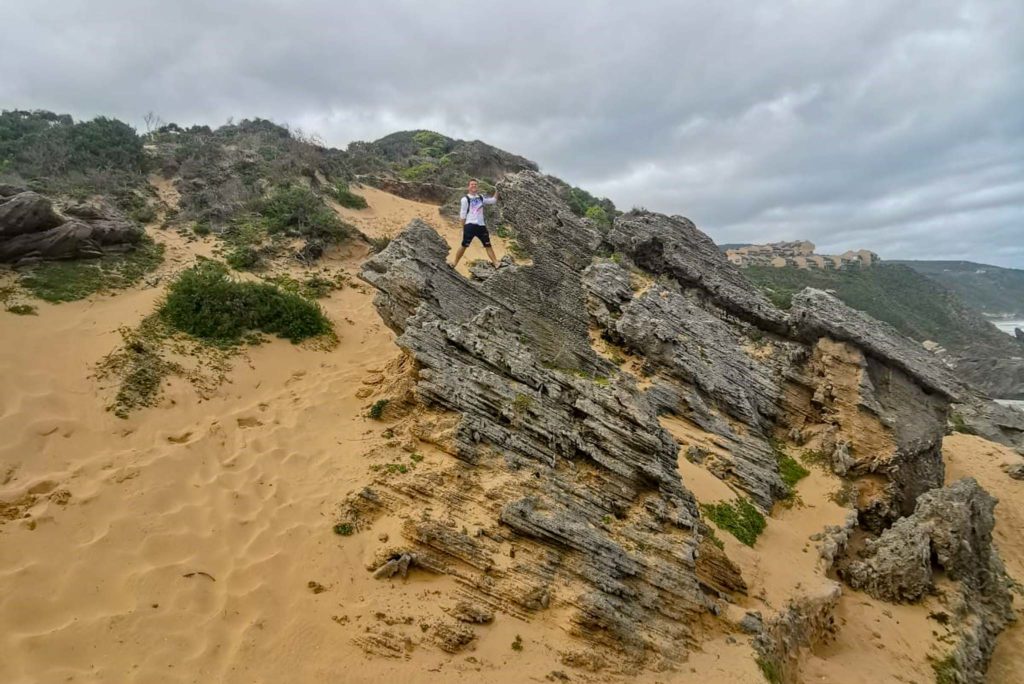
(377, 410)
(418, 172)
(22, 310)
(346, 198)
(205, 302)
(244, 258)
(296, 211)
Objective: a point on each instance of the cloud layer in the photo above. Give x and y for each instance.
(896, 126)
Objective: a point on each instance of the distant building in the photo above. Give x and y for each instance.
(799, 254)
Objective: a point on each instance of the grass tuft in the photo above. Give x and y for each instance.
(770, 670)
(68, 281)
(739, 518)
(960, 425)
(946, 670)
(790, 469)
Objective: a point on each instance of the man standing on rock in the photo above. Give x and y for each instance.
(471, 212)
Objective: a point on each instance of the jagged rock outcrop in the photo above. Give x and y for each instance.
(951, 531)
(585, 507)
(592, 476)
(31, 229)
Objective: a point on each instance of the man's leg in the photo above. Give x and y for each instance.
(485, 238)
(467, 237)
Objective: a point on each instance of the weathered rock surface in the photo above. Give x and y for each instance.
(951, 530)
(591, 475)
(31, 229)
(559, 450)
(26, 212)
(993, 421)
(816, 313)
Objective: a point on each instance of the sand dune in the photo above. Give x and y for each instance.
(193, 541)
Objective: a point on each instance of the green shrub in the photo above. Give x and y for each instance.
(377, 410)
(295, 211)
(42, 144)
(418, 172)
(598, 215)
(344, 529)
(244, 258)
(22, 309)
(739, 518)
(347, 198)
(143, 214)
(208, 304)
(202, 228)
(379, 244)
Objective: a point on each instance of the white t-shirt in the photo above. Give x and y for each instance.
(473, 210)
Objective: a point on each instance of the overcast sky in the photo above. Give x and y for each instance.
(896, 126)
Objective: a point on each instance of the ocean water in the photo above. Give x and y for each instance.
(1008, 326)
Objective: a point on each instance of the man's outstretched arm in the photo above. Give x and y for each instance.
(493, 199)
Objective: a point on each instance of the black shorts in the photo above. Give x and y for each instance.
(473, 230)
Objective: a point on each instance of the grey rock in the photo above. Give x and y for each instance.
(472, 613)
(841, 459)
(30, 229)
(816, 313)
(1019, 334)
(395, 566)
(9, 189)
(995, 422)
(952, 529)
(752, 623)
(1014, 470)
(672, 245)
(804, 623)
(26, 213)
(482, 269)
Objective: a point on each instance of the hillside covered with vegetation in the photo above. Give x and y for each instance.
(990, 289)
(918, 307)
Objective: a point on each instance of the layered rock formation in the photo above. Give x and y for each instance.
(31, 229)
(558, 450)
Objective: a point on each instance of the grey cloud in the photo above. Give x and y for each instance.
(897, 126)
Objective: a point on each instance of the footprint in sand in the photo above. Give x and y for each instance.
(248, 422)
(179, 439)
